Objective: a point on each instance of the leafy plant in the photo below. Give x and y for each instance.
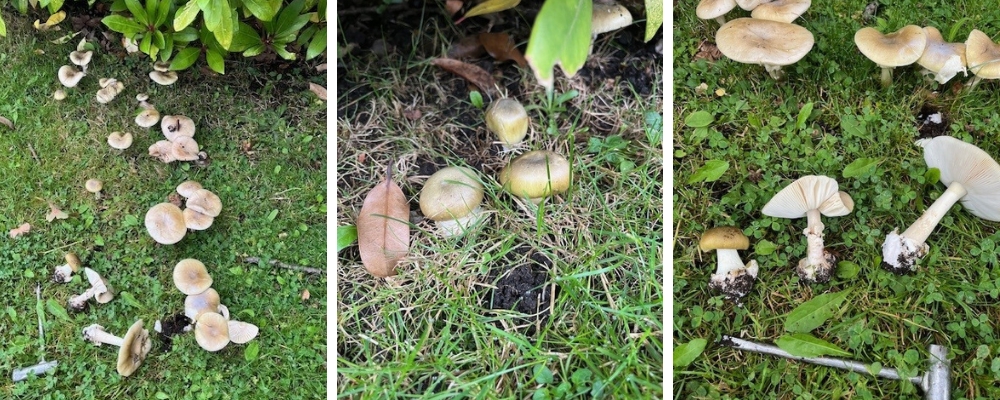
(22, 7)
(277, 33)
(612, 150)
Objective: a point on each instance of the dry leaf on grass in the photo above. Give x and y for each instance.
(501, 47)
(55, 213)
(6, 122)
(383, 228)
(489, 7)
(708, 52)
(24, 228)
(319, 90)
(471, 73)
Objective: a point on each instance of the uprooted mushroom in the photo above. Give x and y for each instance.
(64, 272)
(133, 347)
(733, 278)
(99, 290)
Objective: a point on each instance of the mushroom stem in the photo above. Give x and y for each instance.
(456, 226)
(775, 71)
(975, 81)
(721, 19)
(729, 260)
(97, 335)
(923, 226)
(886, 76)
(63, 274)
(79, 302)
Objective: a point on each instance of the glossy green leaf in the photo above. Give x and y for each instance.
(219, 19)
(151, 6)
(654, 18)
(168, 48)
(215, 61)
(145, 43)
(346, 235)
(283, 53)
(807, 345)
(186, 15)
(245, 38)
(699, 119)
(158, 40)
(489, 7)
(764, 247)
(129, 299)
(55, 5)
(186, 35)
(3, 27)
(56, 309)
(138, 12)
(932, 176)
(185, 58)
(860, 167)
(162, 12)
(804, 114)
(813, 313)
(710, 172)
(254, 50)
(560, 36)
(686, 353)
(287, 17)
(120, 24)
(847, 269)
(318, 44)
(264, 10)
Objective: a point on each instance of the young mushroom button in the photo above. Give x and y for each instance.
(508, 120)
(769, 43)
(733, 278)
(892, 50)
(451, 198)
(536, 175)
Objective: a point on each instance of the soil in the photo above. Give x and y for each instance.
(931, 122)
(172, 325)
(523, 288)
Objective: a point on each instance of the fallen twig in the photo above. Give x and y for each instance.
(279, 264)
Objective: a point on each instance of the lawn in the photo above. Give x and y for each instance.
(552, 302)
(863, 136)
(263, 132)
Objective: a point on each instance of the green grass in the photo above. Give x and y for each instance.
(425, 333)
(273, 207)
(888, 319)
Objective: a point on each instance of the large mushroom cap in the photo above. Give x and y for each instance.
(763, 42)
(191, 277)
(781, 10)
(607, 17)
(163, 150)
(943, 59)
(712, 9)
(983, 55)
(970, 166)
(184, 148)
(187, 188)
(723, 237)
(451, 193)
(902, 47)
(809, 192)
(212, 331)
(195, 305)
(205, 202)
(69, 76)
(135, 346)
(241, 332)
(165, 223)
(749, 5)
(536, 174)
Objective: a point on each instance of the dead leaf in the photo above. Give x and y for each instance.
(51, 23)
(6, 122)
(468, 47)
(321, 67)
(502, 48)
(708, 52)
(319, 90)
(471, 73)
(489, 7)
(55, 213)
(383, 228)
(24, 228)
(452, 6)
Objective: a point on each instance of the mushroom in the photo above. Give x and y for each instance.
(607, 17)
(163, 150)
(769, 43)
(810, 196)
(749, 5)
(81, 58)
(195, 305)
(715, 9)
(536, 175)
(175, 126)
(187, 188)
(70, 76)
(197, 221)
(165, 223)
(451, 198)
(184, 148)
(133, 348)
(902, 47)
(59, 95)
(942, 59)
(205, 202)
(211, 331)
(162, 74)
(241, 332)
(64, 273)
(119, 140)
(508, 120)
(94, 186)
(191, 277)
(110, 87)
(99, 290)
(781, 10)
(148, 116)
(971, 175)
(733, 278)
(982, 56)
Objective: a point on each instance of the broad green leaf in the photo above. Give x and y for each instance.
(158, 40)
(287, 17)
(860, 167)
(560, 36)
(245, 38)
(686, 353)
(186, 35)
(168, 48)
(764, 247)
(807, 345)
(186, 15)
(813, 313)
(318, 44)
(804, 114)
(252, 351)
(847, 269)
(543, 374)
(21, 6)
(120, 24)
(129, 299)
(215, 61)
(220, 20)
(489, 7)
(162, 12)
(932, 176)
(654, 18)
(55, 5)
(56, 309)
(139, 13)
(144, 44)
(264, 10)
(283, 53)
(254, 50)
(185, 58)
(288, 33)
(346, 235)
(3, 27)
(151, 6)
(699, 119)
(852, 127)
(710, 172)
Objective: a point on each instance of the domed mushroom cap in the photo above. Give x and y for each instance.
(59, 95)
(749, 5)
(165, 223)
(982, 55)
(135, 347)
(781, 10)
(147, 118)
(80, 58)
(970, 166)
(508, 120)
(163, 78)
(195, 305)
(197, 221)
(212, 331)
(191, 277)
(120, 141)
(241, 332)
(205, 202)
(69, 76)
(809, 192)
(187, 188)
(184, 149)
(608, 17)
(723, 237)
(536, 174)
(93, 185)
(902, 47)
(450, 193)
(712, 9)
(175, 126)
(756, 41)
(943, 59)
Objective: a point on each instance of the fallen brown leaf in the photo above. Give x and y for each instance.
(383, 228)
(321, 67)
(708, 52)
(502, 48)
(55, 213)
(471, 73)
(24, 228)
(468, 47)
(319, 90)
(6, 122)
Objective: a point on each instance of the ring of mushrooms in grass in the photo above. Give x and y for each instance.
(769, 43)
(508, 120)
(733, 278)
(536, 175)
(810, 196)
(896, 49)
(451, 197)
(972, 177)
(133, 347)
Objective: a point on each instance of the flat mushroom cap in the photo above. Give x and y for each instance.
(205, 202)
(175, 126)
(241, 332)
(80, 58)
(982, 55)
(902, 47)
(191, 277)
(187, 188)
(749, 5)
(93, 185)
(806, 193)
(528, 174)
(712, 9)
(163, 150)
(970, 166)
(781, 10)
(197, 221)
(451, 193)
(120, 141)
(757, 41)
(195, 305)
(135, 346)
(69, 76)
(944, 59)
(163, 78)
(212, 331)
(184, 148)
(165, 223)
(608, 17)
(723, 237)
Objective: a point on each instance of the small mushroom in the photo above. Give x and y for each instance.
(175, 126)
(781, 10)
(536, 175)
(896, 49)
(133, 348)
(608, 16)
(715, 9)
(165, 223)
(508, 120)
(59, 95)
(110, 87)
(769, 43)
(64, 273)
(70, 76)
(94, 186)
(451, 198)
(733, 278)
(163, 150)
(982, 55)
(148, 116)
(191, 277)
(184, 149)
(162, 74)
(205, 202)
(99, 290)
(211, 331)
(195, 305)
(81, 58)
(941, 59)
(120, 141)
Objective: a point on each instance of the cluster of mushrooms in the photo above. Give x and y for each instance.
(452, 196)
(928, 49)
(167, 223)
(99, 289)
(179, 144)
(213, 330)
(971, 175)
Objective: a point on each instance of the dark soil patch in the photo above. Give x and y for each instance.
(523, 288)
(170, 326)
(931, 122)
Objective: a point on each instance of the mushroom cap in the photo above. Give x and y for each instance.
(241, 332)
(69, 76)
(104, 292)
(982, 55)
(105, 95)
(205, 202)
(73, 261)
(161, 66)
(529, 174)
(835, 206)
(712, 9)
(809, 192)
(212, 331)
(120, 141)
(165, 223)
(195, 305)
(147, 118)
(970, 166)
(163, 78)
(141, 97)
(59, 94)
(723, 237)
(451, 193)
(93, 185)
(197, 221)
(608, 17)
(80, 58)
(191, 277)
(163, 150)
(902, 47)
(135, 346)
(943, 59)
(749, 5)
(757, 41)
(175, 126)
(781, 10)
(508, 120)
(187, 188)
(184, 148)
